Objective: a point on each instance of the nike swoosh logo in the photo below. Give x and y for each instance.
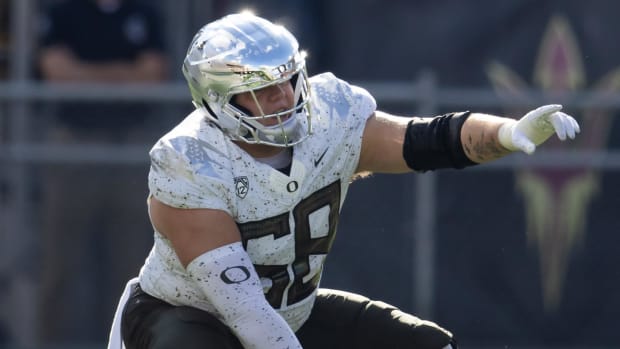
(317, 161)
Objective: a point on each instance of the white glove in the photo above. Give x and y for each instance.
(536, 127)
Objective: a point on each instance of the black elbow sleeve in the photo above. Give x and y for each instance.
(434, 143)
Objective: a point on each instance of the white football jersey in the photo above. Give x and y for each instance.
(287, 222)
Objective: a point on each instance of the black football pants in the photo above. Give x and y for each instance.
(339, 320)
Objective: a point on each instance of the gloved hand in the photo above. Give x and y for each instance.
(536, 127)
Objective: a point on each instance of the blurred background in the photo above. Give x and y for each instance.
(521, 253)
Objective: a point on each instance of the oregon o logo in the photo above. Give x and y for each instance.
(292, 186)
(235, 275)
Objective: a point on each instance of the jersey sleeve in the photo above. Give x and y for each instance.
(175, 180)
(344, 110)
(363, 105)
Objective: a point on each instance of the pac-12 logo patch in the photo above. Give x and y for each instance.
(242, 185)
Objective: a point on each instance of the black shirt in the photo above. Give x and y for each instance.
(98, 35)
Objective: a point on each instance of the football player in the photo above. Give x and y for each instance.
(245, 195)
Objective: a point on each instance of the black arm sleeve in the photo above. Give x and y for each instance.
(434, 143)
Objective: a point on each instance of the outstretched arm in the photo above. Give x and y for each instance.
(482, 137)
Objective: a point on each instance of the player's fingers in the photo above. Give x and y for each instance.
(575, 124)
(543, 110)
(568, 125)
(558, 121)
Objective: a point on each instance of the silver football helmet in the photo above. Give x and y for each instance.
(243, 53)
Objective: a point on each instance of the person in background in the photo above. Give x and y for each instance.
(94, 227)
(245, 195)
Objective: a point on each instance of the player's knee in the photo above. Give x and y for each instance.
(409, 329)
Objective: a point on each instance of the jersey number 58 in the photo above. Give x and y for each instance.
(305, 244)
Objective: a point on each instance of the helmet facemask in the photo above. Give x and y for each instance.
(283, 128)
